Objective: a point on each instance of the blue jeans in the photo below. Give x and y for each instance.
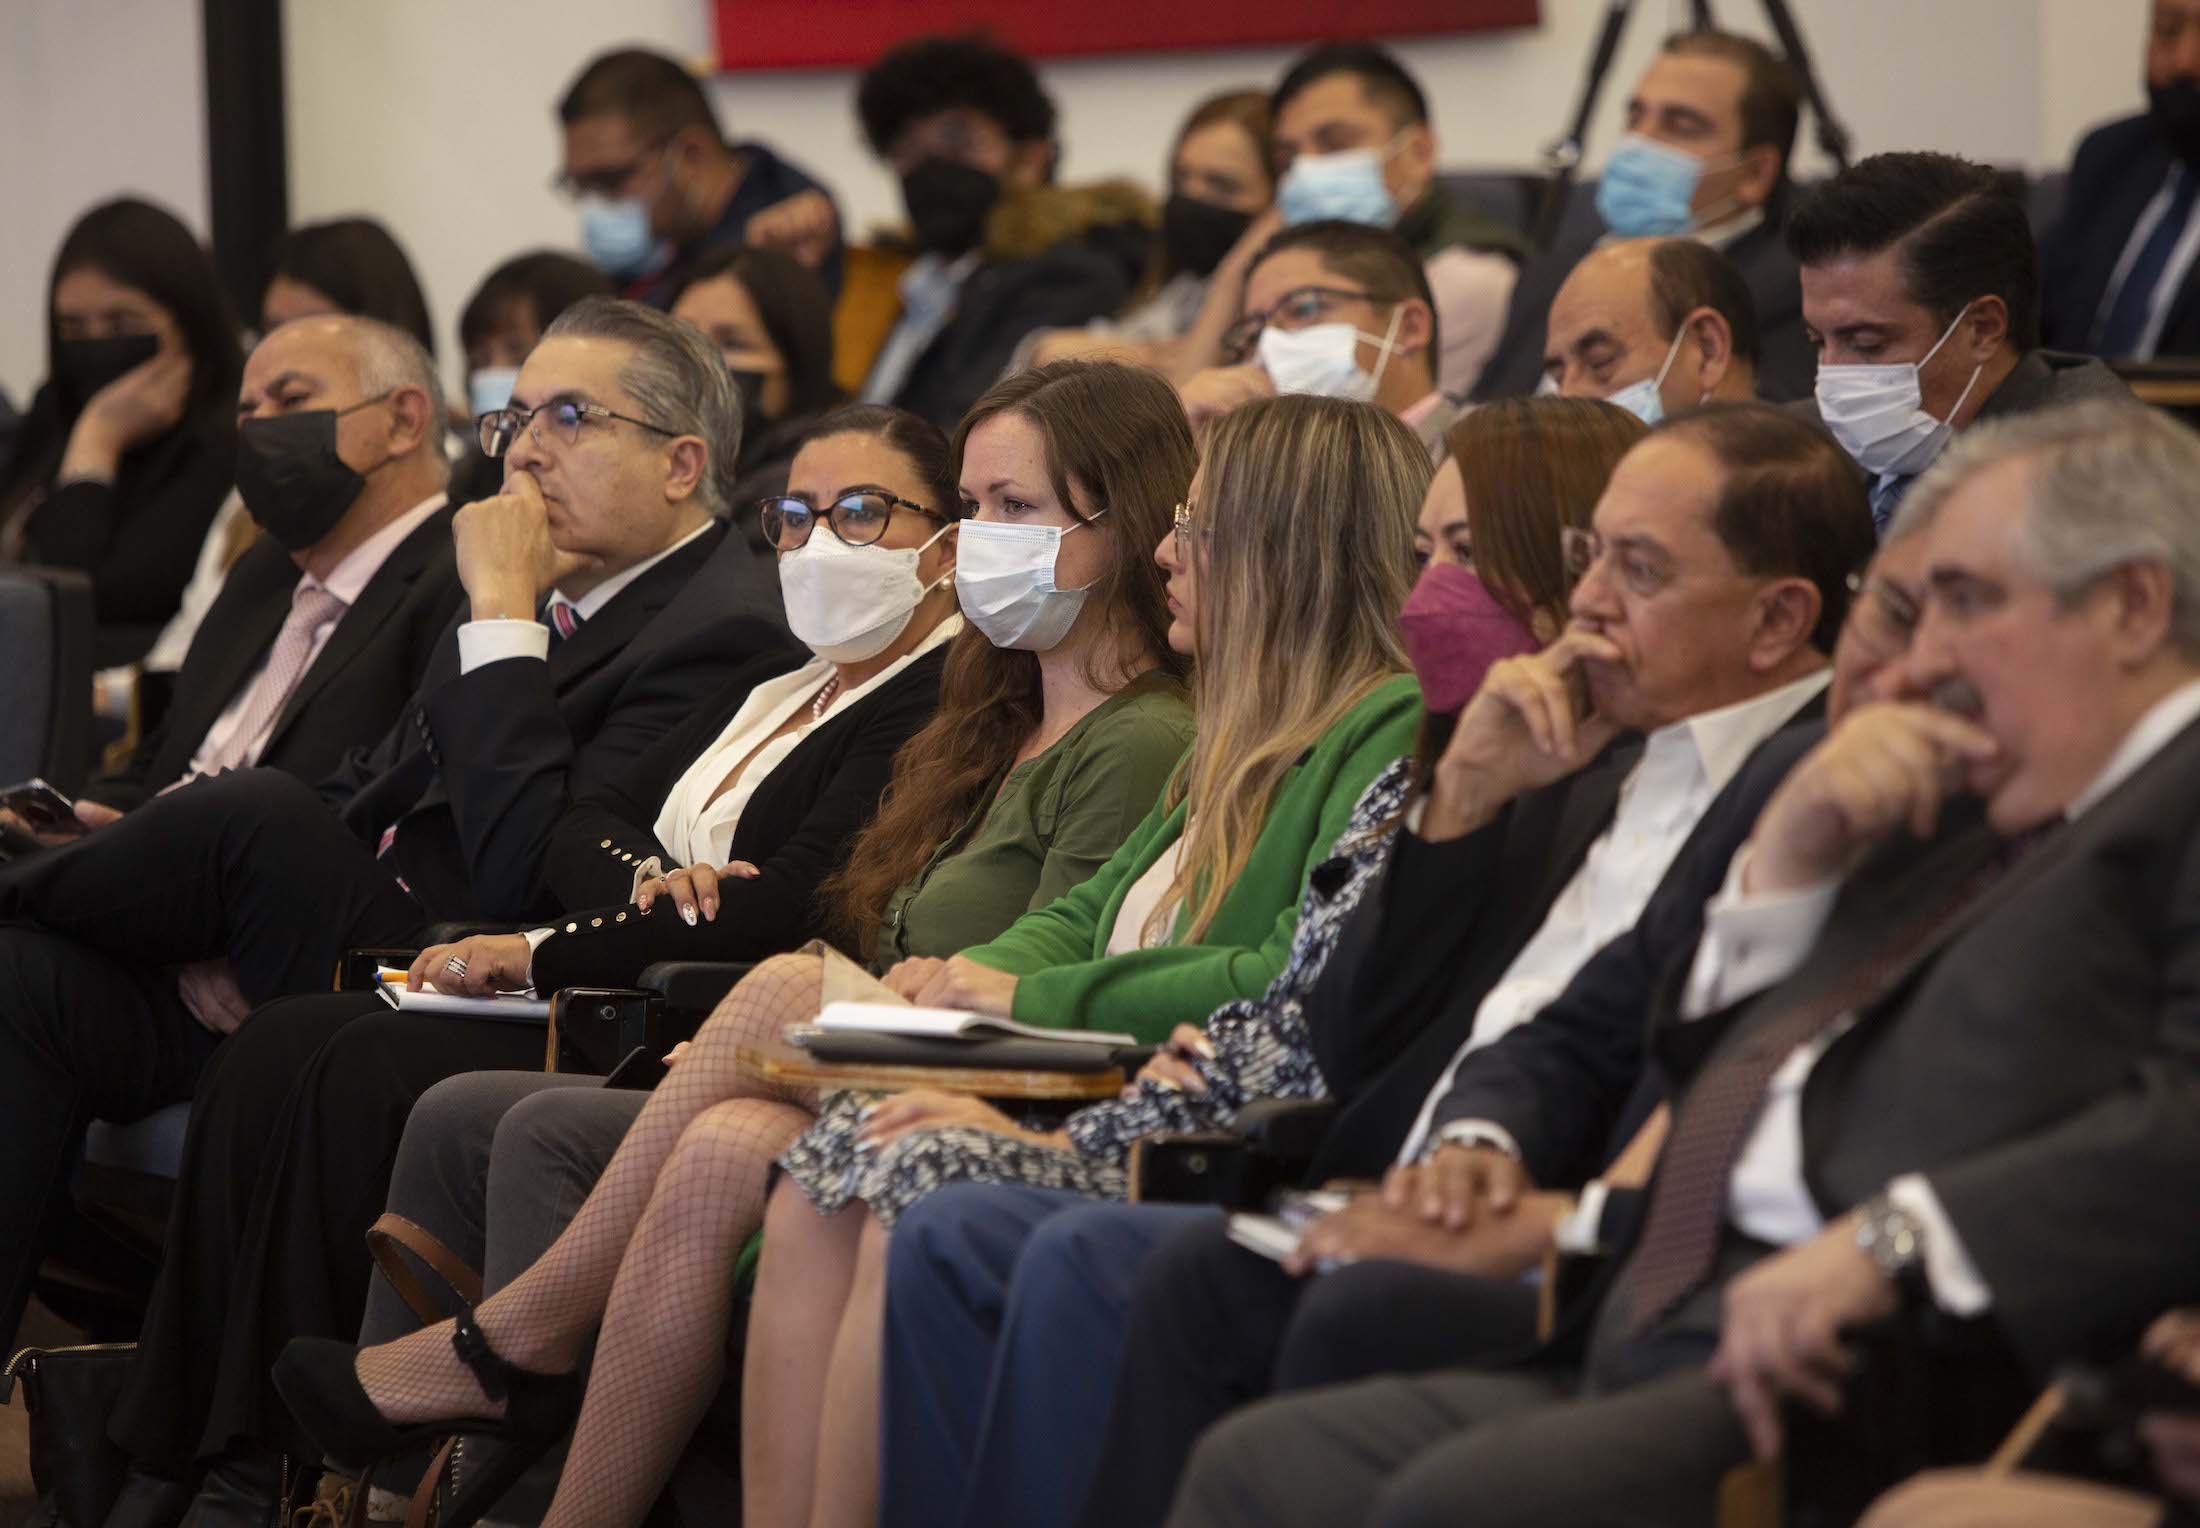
(1005, 1313)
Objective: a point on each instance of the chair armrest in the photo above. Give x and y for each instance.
(1289, 1128)
(693, 986)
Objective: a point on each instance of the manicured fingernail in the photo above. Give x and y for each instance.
(710, 908)
(689, 914)
(1166, 1082)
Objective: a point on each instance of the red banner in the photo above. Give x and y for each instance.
(836, 34)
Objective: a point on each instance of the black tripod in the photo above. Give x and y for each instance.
(1563, 157)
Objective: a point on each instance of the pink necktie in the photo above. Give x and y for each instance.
(564, 618)
(311, 608)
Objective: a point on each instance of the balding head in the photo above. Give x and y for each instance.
(382, 387)
(1638, 308)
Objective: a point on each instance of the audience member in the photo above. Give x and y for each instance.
(659, 187)
(1219, 179)
(1973, 898)
(130, 442)
(1001, 250)
(255, 883)
(1655, 326)
(773, 323)
(352, 265)
(1353, 142)
(2117, 264)
(1337, 310)
(1716, 582)
(1909, 260)
(927, 879)
(498, 329)
(1710, 128)
(324, 628)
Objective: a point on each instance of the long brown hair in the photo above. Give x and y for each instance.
(1305, 532)
(1115, 439)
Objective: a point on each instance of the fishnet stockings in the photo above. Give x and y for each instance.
(542, 1319)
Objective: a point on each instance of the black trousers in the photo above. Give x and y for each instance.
(1214, 1327)
(251, 867)
(287, 1164)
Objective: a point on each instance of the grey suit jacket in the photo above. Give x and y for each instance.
(2039, 1062)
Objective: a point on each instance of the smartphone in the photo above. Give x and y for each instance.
(638, 1070)
(42, 808)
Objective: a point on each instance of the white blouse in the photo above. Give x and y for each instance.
(699, 830)
(1143, 900)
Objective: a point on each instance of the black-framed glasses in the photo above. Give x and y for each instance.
(1295, 309)
(858, 518)
(1642, 570)
(565, 416)
(605, 182)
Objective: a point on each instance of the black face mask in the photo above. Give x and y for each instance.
(751, 384)
(291, 478)
(82, 367)
(947, 203)
(1195, 235)
(2174, 110)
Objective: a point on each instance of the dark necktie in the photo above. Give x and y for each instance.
(2126, 324)
(1714, 1119)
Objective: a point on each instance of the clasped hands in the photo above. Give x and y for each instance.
(1464, 1209)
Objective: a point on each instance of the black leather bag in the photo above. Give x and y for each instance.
(70, 1393)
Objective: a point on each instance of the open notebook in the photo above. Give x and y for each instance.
(505, 1005)
(950, 1024)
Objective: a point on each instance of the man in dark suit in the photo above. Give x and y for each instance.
(1001, 250)
(1705, 644)
(1924, 264)
(2117, 268)
(1985, 900)
(621, 446)
(1722, 109)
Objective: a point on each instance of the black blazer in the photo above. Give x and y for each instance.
(2117, 170)
(1437, 929)
(796, 830)
(1787, 367)
(1572, 1085)
(370, 664)
(480, 767)
(2038, 1061)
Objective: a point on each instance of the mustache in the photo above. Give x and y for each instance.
(1959, 697)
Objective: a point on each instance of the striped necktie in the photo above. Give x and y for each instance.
(2126, 324)
(565, 618)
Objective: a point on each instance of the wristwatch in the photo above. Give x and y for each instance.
(1892, 1238)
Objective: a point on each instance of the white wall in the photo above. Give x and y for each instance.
(435, 115)
(97, 98)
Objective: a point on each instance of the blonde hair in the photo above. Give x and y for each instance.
(1304, 528)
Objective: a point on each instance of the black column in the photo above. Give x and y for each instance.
(247, 143)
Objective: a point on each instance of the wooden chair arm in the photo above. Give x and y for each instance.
(2026, 1434)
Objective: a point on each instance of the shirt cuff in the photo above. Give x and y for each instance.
(1958, 1287)
(1474, 1132)
(1753, 939)
(648, 870)
(1580, 1233)
(485, 642)
(534, 938)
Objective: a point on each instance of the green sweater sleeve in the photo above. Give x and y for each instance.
(1066, 981)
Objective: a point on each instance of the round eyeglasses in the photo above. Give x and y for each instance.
(565, 416)
(856, 518)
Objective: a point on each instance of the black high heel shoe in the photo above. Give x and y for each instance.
(318, 1378)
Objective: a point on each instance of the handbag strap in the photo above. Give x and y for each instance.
(393, 1231)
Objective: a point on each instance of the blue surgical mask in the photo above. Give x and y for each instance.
(1644, 399)
(490, 388)
(1648, 189)
(616, 235)
(1347, 184)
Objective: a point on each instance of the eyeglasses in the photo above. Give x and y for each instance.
(500, 427)
(856, 518)
(1189, 534)
(1295, 309)
(1642, 570)
(605, 182)
(1896, 609)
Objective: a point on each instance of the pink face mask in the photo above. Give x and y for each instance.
(1454, 629)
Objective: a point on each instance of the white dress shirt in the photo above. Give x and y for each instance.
(346, 581)
(2172, 281)
(1683, 766)
(1752, 940)
(1473, 290)
(485, 642)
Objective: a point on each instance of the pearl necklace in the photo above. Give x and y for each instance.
(824, 699)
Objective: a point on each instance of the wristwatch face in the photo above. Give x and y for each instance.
(1890, 1236)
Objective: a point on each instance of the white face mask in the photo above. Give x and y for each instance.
(1877, 413)
(1004, 581)
(1324, 359)
(1643, 399)
(848, 603)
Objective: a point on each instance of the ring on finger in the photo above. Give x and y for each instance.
(455, 966)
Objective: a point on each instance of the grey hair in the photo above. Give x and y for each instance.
(675, 376)
(386, 358)
(2112, 483)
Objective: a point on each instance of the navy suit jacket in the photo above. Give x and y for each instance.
(2117, 171)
